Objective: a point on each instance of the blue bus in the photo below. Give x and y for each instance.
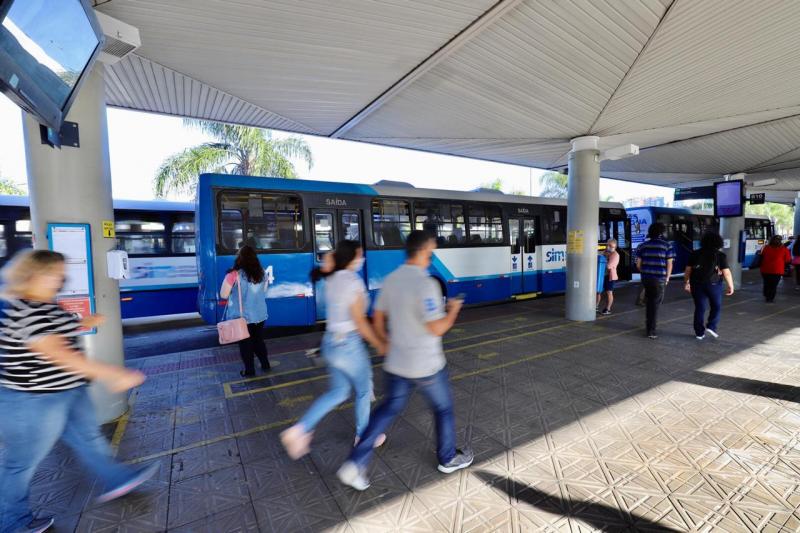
(491, 246)
(160, 241)
(685, 227)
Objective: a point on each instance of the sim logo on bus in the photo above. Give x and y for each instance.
(555, 256)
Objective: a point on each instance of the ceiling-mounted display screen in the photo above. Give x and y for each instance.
(46, 48)
(729, 198)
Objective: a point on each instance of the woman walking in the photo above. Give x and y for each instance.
(774, 258)
(44, 393)
(342, 349)
(248, 273)
(706, 269)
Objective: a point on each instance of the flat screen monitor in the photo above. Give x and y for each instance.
(46, 49)
(729, 198)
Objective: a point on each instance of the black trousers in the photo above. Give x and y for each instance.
(254, 346)
(653, 296)
(771, 285)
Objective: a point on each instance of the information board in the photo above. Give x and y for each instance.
(729, 198)
(74, 241)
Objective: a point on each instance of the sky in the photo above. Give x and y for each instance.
(139, 143)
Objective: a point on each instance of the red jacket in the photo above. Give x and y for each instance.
(774, 260)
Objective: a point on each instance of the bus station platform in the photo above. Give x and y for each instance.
(574, 426)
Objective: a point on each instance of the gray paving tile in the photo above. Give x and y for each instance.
(241, 519)
(144, 510)
(203, 496)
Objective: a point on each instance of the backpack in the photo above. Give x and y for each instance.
(704, 271)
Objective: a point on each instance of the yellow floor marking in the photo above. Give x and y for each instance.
(458, 377)
(288, 402)
(122, 424)
(778, 313)
(487, 356)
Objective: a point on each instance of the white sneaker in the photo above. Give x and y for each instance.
(352, 476)
(712, 333)
(700, 337)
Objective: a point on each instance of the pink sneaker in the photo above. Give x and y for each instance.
(378, 441)
(297, 441)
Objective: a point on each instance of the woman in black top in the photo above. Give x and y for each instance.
(44, 393)
(706, 269)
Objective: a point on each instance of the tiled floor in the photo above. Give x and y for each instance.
(575, 427)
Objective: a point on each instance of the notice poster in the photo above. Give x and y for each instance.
(74, 241)
(575, 243)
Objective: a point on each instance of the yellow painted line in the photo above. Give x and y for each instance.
(528, 296)
(487, 356)
(775, 314)
(122, 424)
(288, 402)
(286, 422)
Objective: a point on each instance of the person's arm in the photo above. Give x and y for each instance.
(379, 323)
(227, 285)
(442, 325)
(56, 350)
(638, 263)
(687, 276)
(728, 277)
(363, 325)
(669, 269)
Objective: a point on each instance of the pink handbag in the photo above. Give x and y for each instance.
(231, 331)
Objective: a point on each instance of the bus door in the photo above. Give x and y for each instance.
(524, 261)
(619, 230)
(681, 233)
(331, 226)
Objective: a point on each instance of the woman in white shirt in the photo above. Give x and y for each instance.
(343, 349)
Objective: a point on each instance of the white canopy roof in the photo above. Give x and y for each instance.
(705, 87)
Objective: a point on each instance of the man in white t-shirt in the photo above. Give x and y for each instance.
(411, 302)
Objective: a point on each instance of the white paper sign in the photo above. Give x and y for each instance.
(72, 242)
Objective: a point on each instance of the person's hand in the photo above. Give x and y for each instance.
(454, 305)
(123, 379)
(729, 291)
(381, 349)
(92, 321)
(687, 287)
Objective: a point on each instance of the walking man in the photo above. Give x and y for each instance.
(654, 259)
(411, 301)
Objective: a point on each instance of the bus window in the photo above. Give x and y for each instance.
(3, 242)
(141, 237)
(485, 225)
(323, 232)
(183, 238)
(264, 221)
(351, 226)
(391, 222)
(554, 226)
(443, 220)
(23, 236)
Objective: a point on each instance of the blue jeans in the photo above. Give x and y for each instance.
(30, 425)
(436, 389)
(706, 295)
(349, 369)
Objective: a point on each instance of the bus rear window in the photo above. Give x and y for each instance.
(391, 222)
(267, 222)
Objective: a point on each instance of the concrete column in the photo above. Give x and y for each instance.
(74, 185)
(583, 218)
(797, 215)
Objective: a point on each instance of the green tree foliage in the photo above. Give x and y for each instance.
(497, 185)
(236, 150)
(782, 215)
(9, 187)
(554, 185)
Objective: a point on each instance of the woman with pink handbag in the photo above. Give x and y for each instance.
(250, 300)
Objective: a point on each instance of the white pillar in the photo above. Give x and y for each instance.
(797, 215)
(583, 218)
(74, 185)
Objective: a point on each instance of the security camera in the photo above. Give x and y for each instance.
(619, 152)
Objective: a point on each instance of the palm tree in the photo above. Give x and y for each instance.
(554, 185)
(237, 150)
(9, 187)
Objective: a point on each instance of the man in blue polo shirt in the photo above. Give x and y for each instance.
(654, 259)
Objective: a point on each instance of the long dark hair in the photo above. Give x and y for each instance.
(247, 262)
(776, 241)
(711, 242)
(343, 255)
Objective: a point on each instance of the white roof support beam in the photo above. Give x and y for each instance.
(478, 25)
